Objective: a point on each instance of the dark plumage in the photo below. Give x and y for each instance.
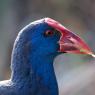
(34, 50)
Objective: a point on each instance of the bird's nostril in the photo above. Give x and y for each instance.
(67, 40)
(68, 47)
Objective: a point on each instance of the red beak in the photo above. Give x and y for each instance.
(69, 42)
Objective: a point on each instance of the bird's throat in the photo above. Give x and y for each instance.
(43, 71)
(37, 71)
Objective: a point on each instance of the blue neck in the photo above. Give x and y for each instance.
(42, 67)
(35, 71)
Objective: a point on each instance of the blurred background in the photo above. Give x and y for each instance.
(75, 73)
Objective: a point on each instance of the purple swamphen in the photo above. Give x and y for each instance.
(35, 48)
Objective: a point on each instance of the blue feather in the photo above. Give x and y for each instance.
(32, 62)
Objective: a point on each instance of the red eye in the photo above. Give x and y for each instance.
(49, 33)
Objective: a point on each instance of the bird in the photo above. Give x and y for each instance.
(34, 51)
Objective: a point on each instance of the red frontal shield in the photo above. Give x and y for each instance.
(69, 42)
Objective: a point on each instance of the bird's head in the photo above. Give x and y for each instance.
(48, 37)
(36, 44)
(53, 38)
